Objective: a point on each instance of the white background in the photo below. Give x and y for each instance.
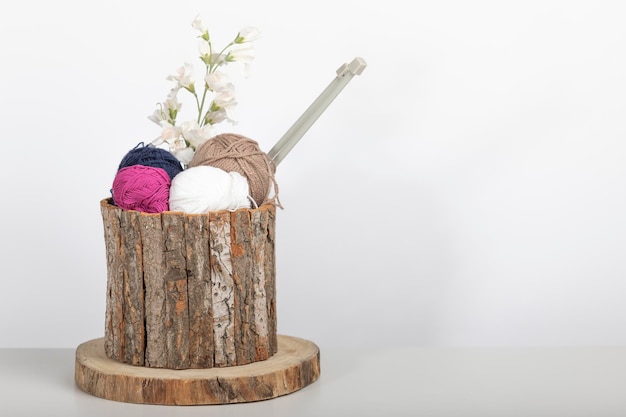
(466, 190)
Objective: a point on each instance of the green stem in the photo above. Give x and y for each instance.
(226, 47)
(210, 68)
(201, 105)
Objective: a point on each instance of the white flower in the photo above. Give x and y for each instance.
(198, 25)
(176, 144)
(171, 106)
(218, 81)
(204, 48)
(210, 58)
(225, 101)
(226, 97)
(169, 132)
(184, 155)
(171, 102)
(196, 135)
(158, 116)
(244, 55)
(216, 116)
(183, 77)
(248, 34)
(166, 111)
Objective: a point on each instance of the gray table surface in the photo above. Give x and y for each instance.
(483, 382)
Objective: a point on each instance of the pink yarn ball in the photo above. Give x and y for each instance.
(142, 188)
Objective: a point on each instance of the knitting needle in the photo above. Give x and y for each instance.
(313, 112)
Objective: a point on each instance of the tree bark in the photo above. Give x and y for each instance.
(190, 291)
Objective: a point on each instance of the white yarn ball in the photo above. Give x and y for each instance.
(204, 188)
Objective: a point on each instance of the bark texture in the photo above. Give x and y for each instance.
(190, 291)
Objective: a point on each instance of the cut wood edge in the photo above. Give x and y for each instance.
(295, 365)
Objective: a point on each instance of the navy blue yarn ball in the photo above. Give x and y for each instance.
(152, 157)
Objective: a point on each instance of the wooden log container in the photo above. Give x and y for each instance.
(190, 290)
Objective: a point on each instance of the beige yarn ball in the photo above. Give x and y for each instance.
(233, 152)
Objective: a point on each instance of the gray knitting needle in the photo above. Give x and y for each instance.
(313, 112)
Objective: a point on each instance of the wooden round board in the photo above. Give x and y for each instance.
(294, 366)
